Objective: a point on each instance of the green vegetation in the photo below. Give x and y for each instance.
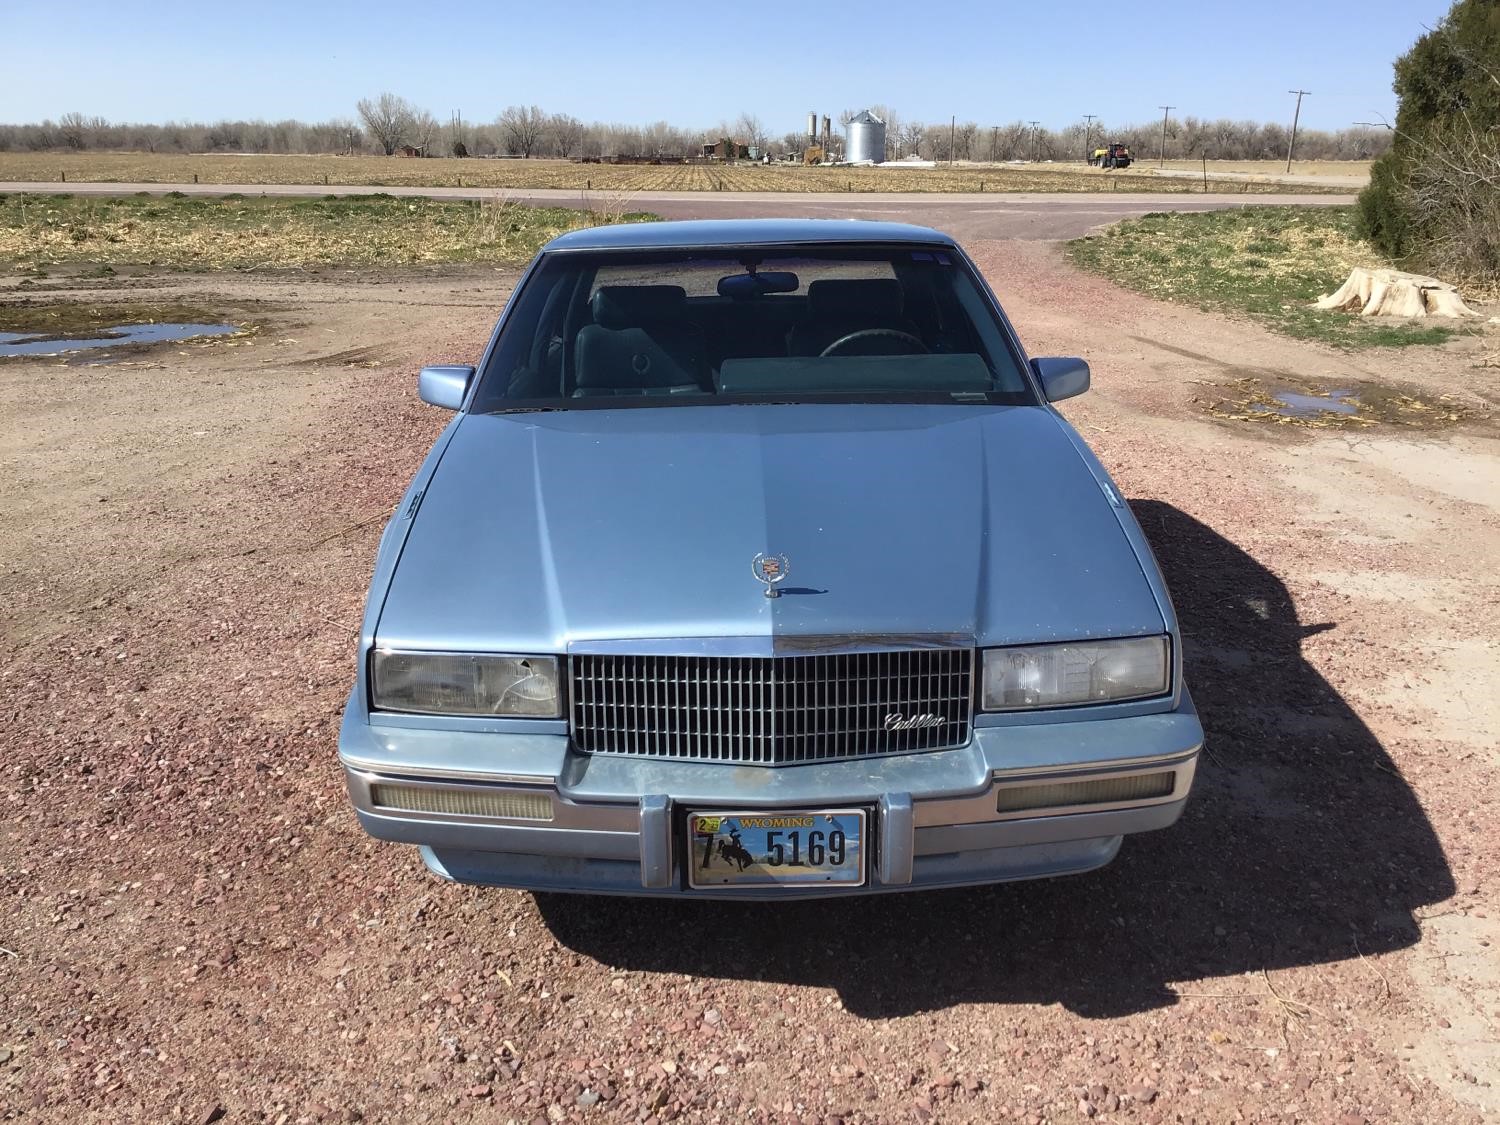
(1434, 199)
(1269, 263)
(207, 233)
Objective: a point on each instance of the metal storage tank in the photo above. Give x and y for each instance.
(864, 138)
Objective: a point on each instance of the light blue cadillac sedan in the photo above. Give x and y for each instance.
(756, 563)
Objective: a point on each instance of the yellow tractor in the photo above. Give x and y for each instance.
(1113, 155)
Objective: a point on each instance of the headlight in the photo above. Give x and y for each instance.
(1023, 678)
(446, 683)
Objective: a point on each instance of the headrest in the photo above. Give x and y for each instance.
(630, 306)
(840, 299)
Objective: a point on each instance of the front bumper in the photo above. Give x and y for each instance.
(609, 825)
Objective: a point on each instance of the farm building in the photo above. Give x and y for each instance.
(715, 149)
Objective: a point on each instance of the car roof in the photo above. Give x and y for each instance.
(705, 233)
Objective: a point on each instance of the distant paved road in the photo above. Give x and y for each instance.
(966, 216)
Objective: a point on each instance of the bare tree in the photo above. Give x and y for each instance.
(1011, 139)
(564, 135)
(751, 130)
(893, 126)
(389, 120)
(522, 127)
(913, 133)
(424, 131)
(967, 131)
(74, 130)
(458, 136)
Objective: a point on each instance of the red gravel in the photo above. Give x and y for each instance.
(196, 929)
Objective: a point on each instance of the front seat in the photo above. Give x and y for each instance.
(641, 343)
(839, 306)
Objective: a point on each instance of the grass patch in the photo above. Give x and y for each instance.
(214, 233)
(521, 175)
(1269, 263)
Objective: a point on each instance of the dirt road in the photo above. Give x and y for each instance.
(968, 216)
(194, 928)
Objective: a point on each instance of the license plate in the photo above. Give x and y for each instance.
(824, 847)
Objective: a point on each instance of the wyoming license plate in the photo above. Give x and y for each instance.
(762, 849)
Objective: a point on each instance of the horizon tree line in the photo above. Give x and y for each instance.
(389, 124)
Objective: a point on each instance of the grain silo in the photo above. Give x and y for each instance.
(864, 139)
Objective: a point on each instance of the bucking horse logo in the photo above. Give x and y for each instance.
(732, 851)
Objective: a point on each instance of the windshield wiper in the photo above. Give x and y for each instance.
(520, 410)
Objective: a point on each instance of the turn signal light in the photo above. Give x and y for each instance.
(507, 804)
(1101, 791)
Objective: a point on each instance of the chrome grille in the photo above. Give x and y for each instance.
(775, 710)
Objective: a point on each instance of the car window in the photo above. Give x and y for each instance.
(700, 277)
(651, 328)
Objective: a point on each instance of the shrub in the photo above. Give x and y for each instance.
(1384, 217)
(1434, 200)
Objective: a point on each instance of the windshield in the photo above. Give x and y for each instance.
(656, 328)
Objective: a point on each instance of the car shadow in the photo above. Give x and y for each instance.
(1302, 845)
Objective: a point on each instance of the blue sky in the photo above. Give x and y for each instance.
(697, 64)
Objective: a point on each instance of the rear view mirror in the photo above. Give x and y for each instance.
(445, 384)
(1061, 376)
(748, 286)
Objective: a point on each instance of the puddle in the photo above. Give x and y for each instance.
(1294, 404)
(1332, 406)
(17, 343)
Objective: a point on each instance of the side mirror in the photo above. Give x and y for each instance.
(1061, 376)
(445, 384)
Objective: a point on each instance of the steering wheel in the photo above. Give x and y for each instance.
(893, 335)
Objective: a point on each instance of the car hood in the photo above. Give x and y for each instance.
(544, 531)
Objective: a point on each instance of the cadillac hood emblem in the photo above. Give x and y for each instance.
(770, 569)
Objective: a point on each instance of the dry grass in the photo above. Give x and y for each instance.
(377, 171)
(1340, 168)
(233, 232)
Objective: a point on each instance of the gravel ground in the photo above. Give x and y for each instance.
(194, 928)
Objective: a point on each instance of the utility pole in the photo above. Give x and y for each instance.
(1034, 124)
(994, 142)
(1166, 111)
(952, 122)
(1296, 113)
(1088, 128)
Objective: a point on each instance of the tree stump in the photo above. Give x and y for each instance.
(1394, 293)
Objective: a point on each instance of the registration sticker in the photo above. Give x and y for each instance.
(776, 848)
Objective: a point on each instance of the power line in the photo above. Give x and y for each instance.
(1295, 114)
(1166, 111)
